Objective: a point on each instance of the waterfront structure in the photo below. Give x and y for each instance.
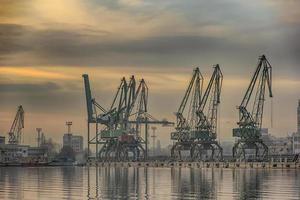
(277, 145)
(2, 139)
(206, 143)
(13, 151)
(73, 141)
(38, 152)
(15, 132)
(186, 117)
(77, 143)
(67, 139)
(296, 142)
(296, 136)
(250, 122)
(196, 129)
(21, 153)
(121, 138)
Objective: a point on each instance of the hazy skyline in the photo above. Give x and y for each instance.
(47, 44)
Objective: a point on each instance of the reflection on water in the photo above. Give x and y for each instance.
(147, 183)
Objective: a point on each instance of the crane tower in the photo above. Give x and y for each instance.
(186, 117)
(121, 137)
(250, 122)
(206, 130)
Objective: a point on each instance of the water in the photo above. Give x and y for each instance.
(147, 183)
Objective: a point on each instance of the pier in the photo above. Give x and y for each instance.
(176, 164)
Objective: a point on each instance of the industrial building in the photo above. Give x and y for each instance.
(73, 141)
(296, 143)
(296, 136)
(277, 145)
(21, 153)
(14, 152)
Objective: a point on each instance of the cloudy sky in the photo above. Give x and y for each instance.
(47, 44)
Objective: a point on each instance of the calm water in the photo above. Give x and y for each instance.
(147, 183)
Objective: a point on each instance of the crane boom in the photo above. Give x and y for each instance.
(88, 95)
(207, 123)
(15, 133)
(193, 93)
(261, 78)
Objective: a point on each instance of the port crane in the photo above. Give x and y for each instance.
(121, 138)
(15, 132)
(205, 134)
(250, 123)
(186, 117)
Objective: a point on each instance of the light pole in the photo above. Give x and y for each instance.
(153, 138)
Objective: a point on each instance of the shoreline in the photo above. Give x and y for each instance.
(169, 164)
(230, 165)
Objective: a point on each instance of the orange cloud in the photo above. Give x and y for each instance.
(32, 73)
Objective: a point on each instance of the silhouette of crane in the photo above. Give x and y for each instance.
(206, 129)
(15, 132)
(250, 123)
(186, 117)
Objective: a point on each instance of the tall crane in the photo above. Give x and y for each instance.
(186, 116)
(15, 133)
(123, 137)
(206, 130)
(120, 138)
(250, 122)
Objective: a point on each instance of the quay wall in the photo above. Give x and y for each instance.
(231, 165)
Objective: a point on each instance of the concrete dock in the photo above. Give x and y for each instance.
(231, 165)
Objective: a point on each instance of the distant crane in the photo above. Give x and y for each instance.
(250, 123)
(206, 129)
(186, 117)
(15, 133)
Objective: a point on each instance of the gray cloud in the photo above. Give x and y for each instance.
(253, 31)
(48, 97)
(11, 38)
(28, 87)
(65, 47)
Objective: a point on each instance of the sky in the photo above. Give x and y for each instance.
(46, 45)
